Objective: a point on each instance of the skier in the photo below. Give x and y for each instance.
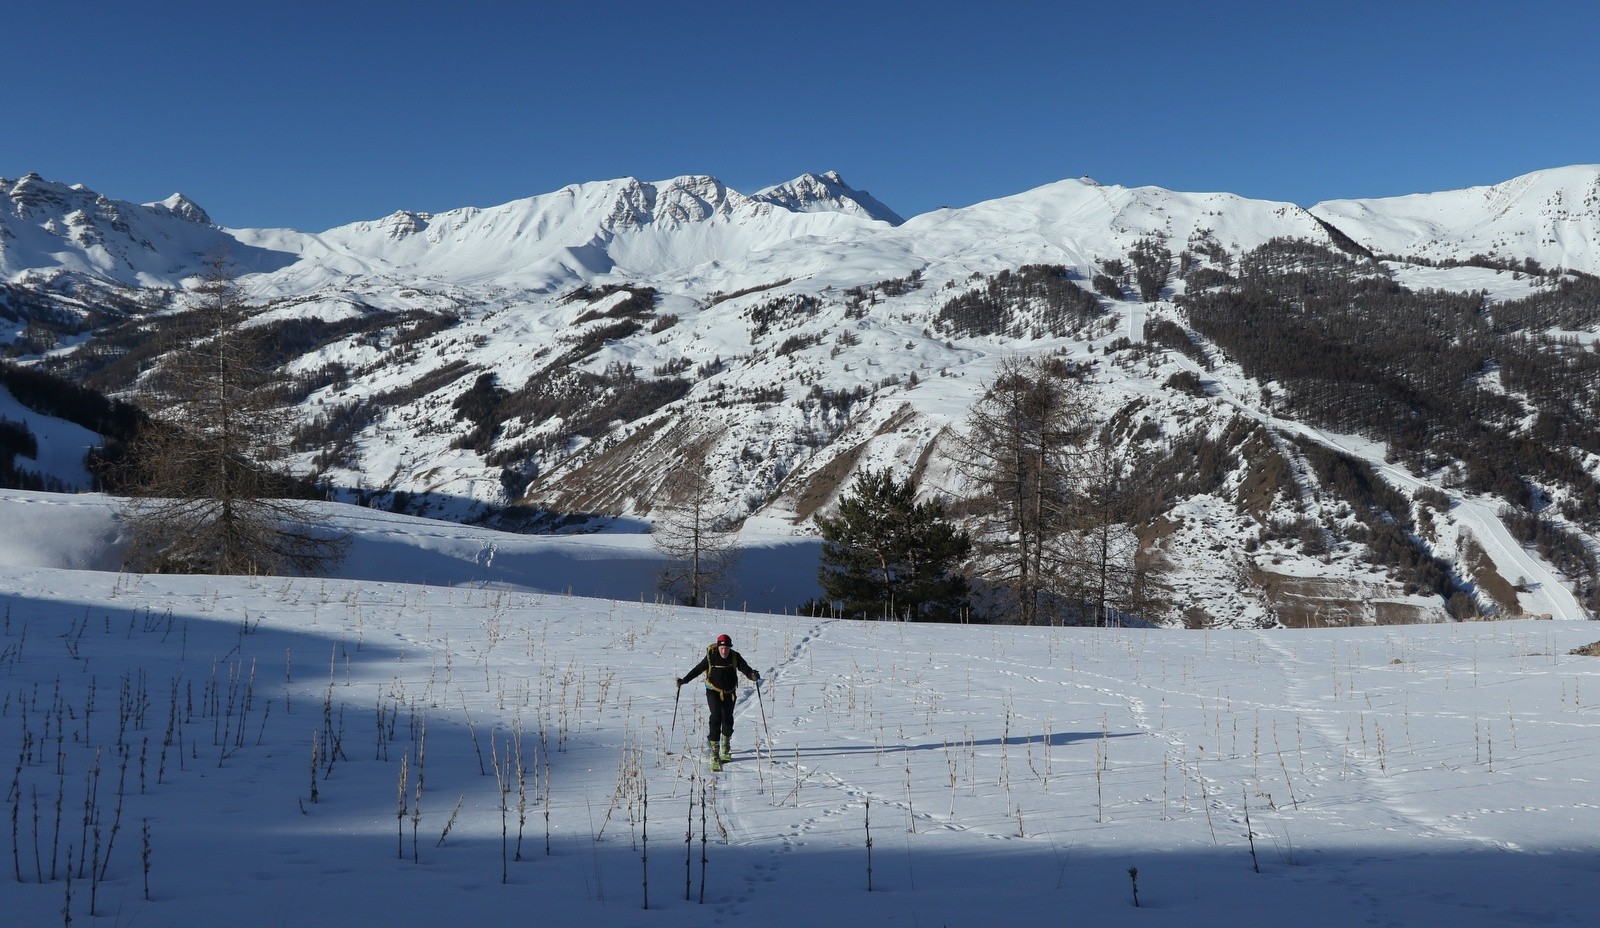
(721, 665)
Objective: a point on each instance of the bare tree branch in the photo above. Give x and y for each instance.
(208, 494)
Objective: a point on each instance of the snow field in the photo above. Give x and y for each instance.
(1402, 775)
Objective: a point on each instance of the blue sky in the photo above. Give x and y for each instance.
(311, 115)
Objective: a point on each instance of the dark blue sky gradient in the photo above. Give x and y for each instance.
(311, 115)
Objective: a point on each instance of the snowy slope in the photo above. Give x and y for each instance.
(1552, 217)
(262, 752)
(83, 531)
(1079, 222)
(63, 446)
(812, 193)
(660, 229)
(624, 227)
(797, 332)
(695, 228)
(49, 229)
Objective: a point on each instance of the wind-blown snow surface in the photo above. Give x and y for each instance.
(1417, 775)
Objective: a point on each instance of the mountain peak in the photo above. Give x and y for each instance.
(182, 207)
(679, 201)
(827, 192)
(52, 229)
(31, 193)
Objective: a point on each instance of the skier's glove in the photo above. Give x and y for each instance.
(678, 681)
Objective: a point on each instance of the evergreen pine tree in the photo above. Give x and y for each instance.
(884, 555)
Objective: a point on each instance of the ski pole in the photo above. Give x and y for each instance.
(764, 728)
(671, 731)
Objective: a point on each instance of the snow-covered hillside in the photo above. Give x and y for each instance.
(84, 531)
(52, 231)
(801, 333)
(272, 751)
(1551, 217)
(625, 228)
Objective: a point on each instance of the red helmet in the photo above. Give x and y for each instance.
(724, 640)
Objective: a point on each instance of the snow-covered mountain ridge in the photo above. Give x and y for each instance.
(50, 231)
(1549, 216)
(804, 332)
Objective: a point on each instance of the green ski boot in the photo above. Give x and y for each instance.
(726, 754)
(716, 757)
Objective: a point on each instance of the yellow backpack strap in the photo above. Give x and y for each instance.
(709, 685)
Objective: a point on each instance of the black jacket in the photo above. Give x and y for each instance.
(721, 672)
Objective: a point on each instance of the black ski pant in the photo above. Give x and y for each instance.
(721, 706)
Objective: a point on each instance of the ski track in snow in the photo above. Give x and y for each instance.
(1409, 775)
(739, 797)
(815, 805)
(1376, 789)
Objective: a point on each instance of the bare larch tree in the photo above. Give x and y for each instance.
(695, 534)
(1018, 451)
(208, 493)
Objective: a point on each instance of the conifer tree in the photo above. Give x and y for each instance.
(885, 555)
